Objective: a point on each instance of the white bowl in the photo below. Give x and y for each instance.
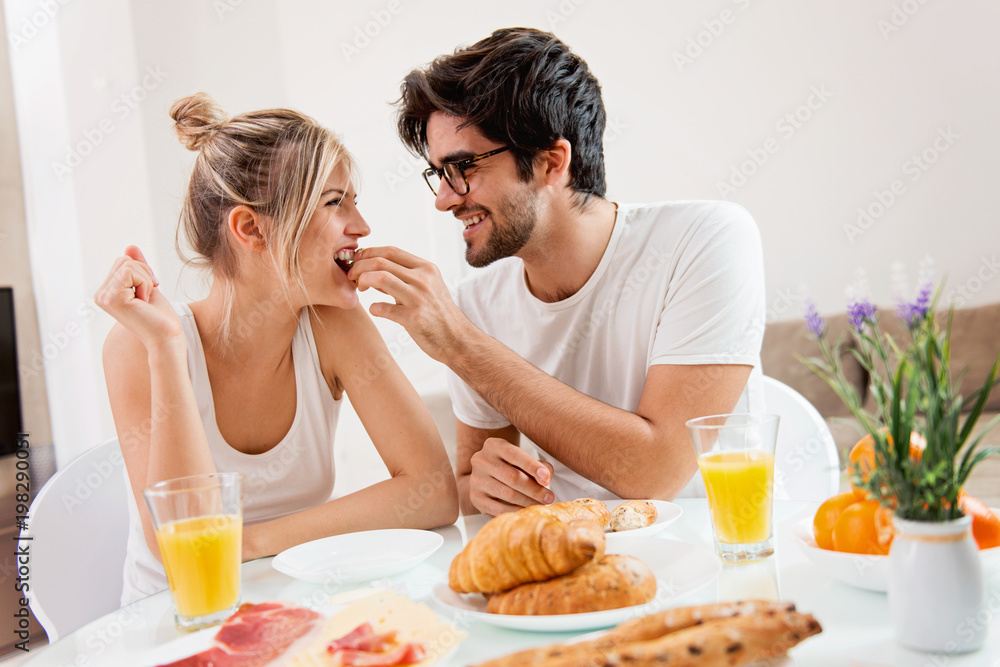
(861, 570)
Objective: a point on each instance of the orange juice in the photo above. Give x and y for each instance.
(738, 485)
(202, 560)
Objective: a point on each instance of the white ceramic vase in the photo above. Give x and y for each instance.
(936, 594)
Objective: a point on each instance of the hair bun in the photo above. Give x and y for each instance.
(196, 118)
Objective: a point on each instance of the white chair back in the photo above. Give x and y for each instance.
(806, 464)
(78, 523)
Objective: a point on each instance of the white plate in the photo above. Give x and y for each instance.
(666, 514)
(860, 570)
(357, 557)
(680, 568)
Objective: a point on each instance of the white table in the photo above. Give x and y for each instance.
(856, 628)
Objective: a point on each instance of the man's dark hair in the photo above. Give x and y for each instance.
(521, 87)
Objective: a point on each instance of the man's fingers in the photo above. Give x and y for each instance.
(507, 465)
(388, 311)
(544, 475)
(493, 507)
(522, 460)
(512, 486)
(393, 254)
(386, 282)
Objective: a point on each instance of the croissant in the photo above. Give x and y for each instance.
(584, 508)
(521, 547)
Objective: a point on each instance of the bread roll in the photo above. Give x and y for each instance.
(731, 641)
(633, 514)
(522, 547)
(583, 508)
(760, 630)
(672, 620)
(643, 629)
(613, 582)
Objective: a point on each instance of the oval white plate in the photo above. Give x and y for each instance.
(680, 568)
(666, 514)
(357, 557)
(860, 570)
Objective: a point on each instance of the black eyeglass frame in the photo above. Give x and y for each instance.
(461, 165)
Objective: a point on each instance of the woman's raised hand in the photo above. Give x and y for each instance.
(130, 295)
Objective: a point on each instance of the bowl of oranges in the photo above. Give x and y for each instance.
(850, 534)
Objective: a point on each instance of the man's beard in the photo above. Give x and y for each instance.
(509, 232)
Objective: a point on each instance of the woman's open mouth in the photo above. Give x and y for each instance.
(345, 259)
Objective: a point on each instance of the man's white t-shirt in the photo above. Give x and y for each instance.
(679, 283)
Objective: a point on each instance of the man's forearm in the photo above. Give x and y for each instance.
(571, 426)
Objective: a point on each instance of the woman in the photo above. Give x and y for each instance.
(250, 379)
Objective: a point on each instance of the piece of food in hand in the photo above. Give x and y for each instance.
(582, 508)
(611, 583)
(643, 631)
(522, 547)
(632, 515)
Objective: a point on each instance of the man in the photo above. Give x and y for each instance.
(598, 328)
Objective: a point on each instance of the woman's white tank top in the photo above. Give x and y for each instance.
(294, 475)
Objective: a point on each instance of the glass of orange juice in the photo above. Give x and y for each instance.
(199, 529)
(736, 459)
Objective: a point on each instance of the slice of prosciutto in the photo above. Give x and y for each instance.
(362, 646)
(254, 636)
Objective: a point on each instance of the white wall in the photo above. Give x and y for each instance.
(883, 83)
(15, 272)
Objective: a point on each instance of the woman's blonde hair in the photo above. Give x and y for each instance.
(275, 161)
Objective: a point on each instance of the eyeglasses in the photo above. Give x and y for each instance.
(454, 173)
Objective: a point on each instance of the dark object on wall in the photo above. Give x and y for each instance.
(10, 393)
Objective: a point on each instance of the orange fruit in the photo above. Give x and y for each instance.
(862, 456)
(827, 515)
(985, 524)
(857, 530)
(883, 526)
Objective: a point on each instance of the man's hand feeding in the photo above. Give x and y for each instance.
(423, 305)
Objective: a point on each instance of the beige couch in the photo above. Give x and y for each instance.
(975, 343)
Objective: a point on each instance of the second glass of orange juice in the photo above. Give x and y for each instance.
(736, 459)
(199, 529)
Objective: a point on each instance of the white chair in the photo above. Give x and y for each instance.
(78, 523)
(806, 464)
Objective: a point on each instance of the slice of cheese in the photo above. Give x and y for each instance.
(387, 611)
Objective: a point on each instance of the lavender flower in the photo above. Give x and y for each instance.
(813, 320)
(915, 312)
(859, 312)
